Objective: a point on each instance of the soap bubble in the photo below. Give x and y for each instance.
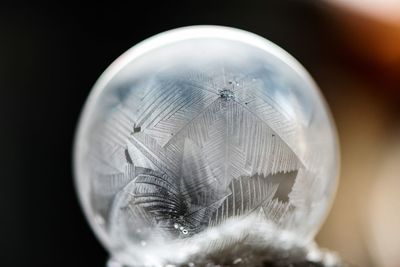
(200, 141)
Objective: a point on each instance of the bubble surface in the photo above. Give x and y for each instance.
(200, 140)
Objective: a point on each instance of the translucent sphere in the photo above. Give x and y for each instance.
(201, 140)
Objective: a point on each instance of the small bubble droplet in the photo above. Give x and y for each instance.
(99, 219)
(238, 260)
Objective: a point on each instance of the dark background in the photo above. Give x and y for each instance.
(51, 55)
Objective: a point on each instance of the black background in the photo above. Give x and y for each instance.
(50, 56)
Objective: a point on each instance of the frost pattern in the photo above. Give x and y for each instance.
(193, 153)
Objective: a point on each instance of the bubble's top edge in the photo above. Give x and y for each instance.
(199, 32)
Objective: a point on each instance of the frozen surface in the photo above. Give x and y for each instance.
(202, 140)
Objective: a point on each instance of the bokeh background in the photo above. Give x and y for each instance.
(51, 55)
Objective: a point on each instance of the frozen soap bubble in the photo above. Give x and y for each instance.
(201, 141)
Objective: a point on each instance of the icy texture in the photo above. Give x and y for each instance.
(200, 140)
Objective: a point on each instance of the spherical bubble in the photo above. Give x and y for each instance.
(200, 140)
